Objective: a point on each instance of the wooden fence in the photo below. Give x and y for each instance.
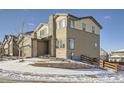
(108, 65)
(102, 64)
(89, 60)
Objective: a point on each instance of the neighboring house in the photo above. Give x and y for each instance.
(10, 45)
(6, 45)
(1, 50)
(25, 46)
(41, 41)
(117, 56)
(104, 55)
(66, 36)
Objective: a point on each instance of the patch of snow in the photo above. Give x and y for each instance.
(23, 71)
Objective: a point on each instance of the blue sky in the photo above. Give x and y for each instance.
(112, 34)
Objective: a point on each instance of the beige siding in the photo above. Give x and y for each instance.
(34, 47)
(37, 32)
(6, 49)
(61, 34)
(1, 50)
(89, 23)
(26, 47)
(11, 48)
(84, 43)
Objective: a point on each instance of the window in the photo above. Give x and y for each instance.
(84, 27)
(57, 44)
(93, 29)
(71, 24)
(60, 44)
(71, 43)
(40, 33)
(43, 32)
(61, 24)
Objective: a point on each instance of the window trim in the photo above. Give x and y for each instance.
(84, 27)
(93, 30)
(44, 32)
(71, 23)
(69, 45)
(61, 24)
(60, 43)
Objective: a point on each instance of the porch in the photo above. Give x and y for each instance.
(41, 47)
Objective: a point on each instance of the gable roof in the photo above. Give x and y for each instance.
(118, 51)
(93, 19)
(79, 18)
(39, 26)
(8, 38)
(22, 37)
(28, 33)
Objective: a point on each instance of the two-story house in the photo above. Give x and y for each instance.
(1, 50)
(117, 56)
(6, 45)
(25, 44)
(104, 55)
(10, 45)
(65, 36)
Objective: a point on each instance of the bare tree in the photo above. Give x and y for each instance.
(21, 32)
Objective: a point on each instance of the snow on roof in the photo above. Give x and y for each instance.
(122, 50)
(116, 56)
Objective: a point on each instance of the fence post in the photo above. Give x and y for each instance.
(103, 64)
(116, 68)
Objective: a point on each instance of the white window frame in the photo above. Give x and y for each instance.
(71, 23)
(43, 32)
(60, 43)
(40, 32)
(57, 43)
(71, 43)
(61, 24)
(93, 29)
(84, 26)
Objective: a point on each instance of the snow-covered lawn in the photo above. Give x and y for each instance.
(23, 71)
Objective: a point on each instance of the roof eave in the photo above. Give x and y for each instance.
(93, 19)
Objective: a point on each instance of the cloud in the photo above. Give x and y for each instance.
(31, 24)
(107, 17)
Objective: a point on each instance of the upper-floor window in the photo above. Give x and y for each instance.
(61, 24)
(71, 23)
(43, 32)
(83, 26)
(93, 29)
